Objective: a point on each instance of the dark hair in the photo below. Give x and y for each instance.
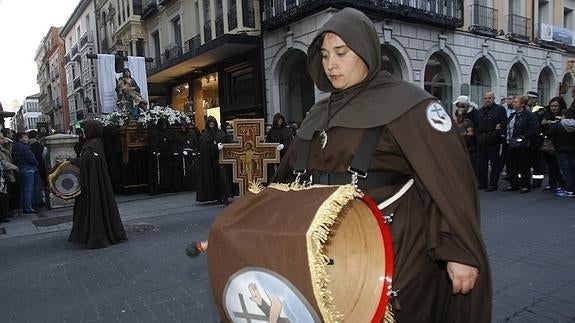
(561, 101)
(6, 132)
(32, 134)
(20, 134)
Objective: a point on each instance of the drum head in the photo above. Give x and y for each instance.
(361, 270)
(64, 180)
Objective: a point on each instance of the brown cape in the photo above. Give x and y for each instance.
(437, 220)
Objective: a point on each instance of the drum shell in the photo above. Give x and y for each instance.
(271, 232)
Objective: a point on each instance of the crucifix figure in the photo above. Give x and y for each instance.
(248, 154)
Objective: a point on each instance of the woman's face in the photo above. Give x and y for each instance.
(460, 114)
(555, 107)
(342, 66)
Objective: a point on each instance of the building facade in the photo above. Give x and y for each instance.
(448, 47)
(80, 39)
(30, 112)
(206, 57)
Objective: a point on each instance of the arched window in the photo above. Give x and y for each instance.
(480, 80)
(437, 80)
(544, 86)
(516, 80)
(390, 63)
(296, 87)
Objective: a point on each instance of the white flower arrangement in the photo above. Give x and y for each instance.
(147, 118)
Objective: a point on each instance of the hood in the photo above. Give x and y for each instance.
(568, 124)
(277, 117)
(359, 33)
(211, 119)
(163, 124)
(93, 129)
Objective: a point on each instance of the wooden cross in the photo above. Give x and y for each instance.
(249, 155)
(244, 314)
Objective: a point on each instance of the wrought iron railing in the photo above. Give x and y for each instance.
(74, 51)
(219, 26)
(249, 17)
(149, 7)
(232, 16)
(483, 20)
(208, 30)
(444, 13)
(193, 43)
(171, 53)
(518, 28)
(86, 38)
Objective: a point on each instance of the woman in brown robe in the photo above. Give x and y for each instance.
(441, 272)
(97, 221)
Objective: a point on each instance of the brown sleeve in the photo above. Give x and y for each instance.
(445, 177)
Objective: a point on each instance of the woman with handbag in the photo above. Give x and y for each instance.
(521, 129)
(553, 115)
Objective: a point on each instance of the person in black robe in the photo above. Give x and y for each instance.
(213, 178)
(97, 222)
(281, 134)
(162, 148)
(187, 163)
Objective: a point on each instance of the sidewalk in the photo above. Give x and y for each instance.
(132, 207)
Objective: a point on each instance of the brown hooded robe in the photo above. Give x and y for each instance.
(97, 222)
(437, 220)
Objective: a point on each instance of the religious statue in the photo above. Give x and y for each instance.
(129, 98)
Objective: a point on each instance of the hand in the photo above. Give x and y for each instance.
(175, 154)
(185, 153)
(280, 147)
(498, 126)
(462, 277)
(220, 146)
(256, 296)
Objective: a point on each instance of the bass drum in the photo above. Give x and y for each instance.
(64, 180)
(293, 254)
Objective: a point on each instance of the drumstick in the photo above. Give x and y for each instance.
(194, 249)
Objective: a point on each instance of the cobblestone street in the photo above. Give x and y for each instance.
(43, 278)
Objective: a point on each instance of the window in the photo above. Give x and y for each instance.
(480, 80)
(568, 18)
(156, 42)
(515, 80)
(438, 79)
(177, 31)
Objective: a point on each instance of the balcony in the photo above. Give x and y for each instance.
(193, 44)
(483, 20)
(232, 16)
(77, 83)
(149, 8)
(74, 51)
(219, 26)
(249, 15)
(85, 39)
(555, 36)
(518, 28)
(440, 13)
(172, 52)
(207, 31)
(56, 103)
(67, 57)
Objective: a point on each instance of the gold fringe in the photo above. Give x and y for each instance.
(317, 235)
(389, 316)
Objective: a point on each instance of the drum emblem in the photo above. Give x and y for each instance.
(258, 294)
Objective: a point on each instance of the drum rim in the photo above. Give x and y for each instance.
(388, 256)
(55, 172)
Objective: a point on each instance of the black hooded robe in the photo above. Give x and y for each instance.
(214, 184)
(97, 222)
(162, 159)
(281, 134)
(187, 163)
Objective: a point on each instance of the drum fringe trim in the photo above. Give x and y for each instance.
(317, 235)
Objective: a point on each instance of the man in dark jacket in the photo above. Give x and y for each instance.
(521, 130)
(563, 136)
(28, 166)
(491, 125)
